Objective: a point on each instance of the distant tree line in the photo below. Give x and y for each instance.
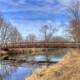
(47, 35)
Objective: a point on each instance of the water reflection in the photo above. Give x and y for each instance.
(5, 69)
(52, 58)
(9, 72)
(12, 71)
(19, 74)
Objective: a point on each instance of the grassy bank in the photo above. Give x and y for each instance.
(68, 69)
(37, 50)
(29, 52)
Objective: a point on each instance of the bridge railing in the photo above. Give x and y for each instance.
(41, 44)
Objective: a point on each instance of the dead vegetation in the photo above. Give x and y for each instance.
(68, 69)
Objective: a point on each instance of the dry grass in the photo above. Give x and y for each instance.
(68, 69)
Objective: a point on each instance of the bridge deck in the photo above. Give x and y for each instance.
(41, 45)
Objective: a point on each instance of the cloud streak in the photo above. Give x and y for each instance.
(26, 5)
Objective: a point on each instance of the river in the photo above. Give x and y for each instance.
(15, 71)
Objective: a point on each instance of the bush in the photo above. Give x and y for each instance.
(13, 52)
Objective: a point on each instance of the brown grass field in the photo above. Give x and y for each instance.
(67, 69)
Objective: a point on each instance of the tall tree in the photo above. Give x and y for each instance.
(31, 38)
(8, 33)
(74, 13)
(47, 32)
(1, 21)
(15, 36)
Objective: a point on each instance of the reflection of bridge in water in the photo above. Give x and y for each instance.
(41, 45)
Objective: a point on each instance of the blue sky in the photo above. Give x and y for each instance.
(29, 15)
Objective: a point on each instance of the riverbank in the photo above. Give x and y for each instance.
(67, 69)
(30, 53)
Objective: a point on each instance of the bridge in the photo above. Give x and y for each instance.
(41, 45)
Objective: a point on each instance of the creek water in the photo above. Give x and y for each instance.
(9, 71)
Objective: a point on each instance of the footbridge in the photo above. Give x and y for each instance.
(41, 45)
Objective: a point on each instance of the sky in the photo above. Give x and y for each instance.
(29, 15)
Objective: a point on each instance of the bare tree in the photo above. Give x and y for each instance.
(15, 36)
(47, 32)
(8, 33)
(74, 14)
(4, 30)
(59, 39)
(31, 38)
(1, 21)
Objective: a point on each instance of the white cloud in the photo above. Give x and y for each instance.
(64, 1)
(67, 2)
(21, 5)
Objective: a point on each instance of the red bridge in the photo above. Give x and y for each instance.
(41, 45)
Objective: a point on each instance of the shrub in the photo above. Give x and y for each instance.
(13, 52)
